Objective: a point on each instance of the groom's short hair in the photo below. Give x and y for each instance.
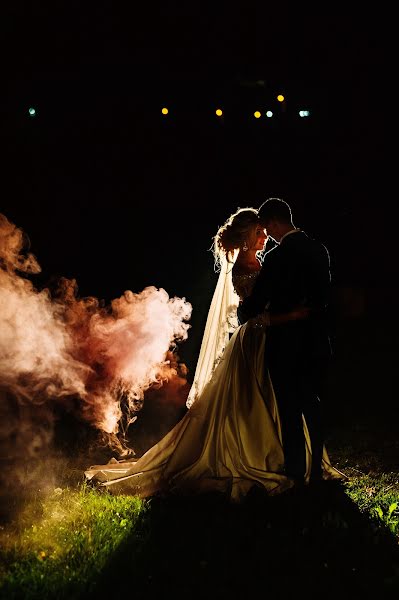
(275, 208)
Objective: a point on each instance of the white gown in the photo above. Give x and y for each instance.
(228, 441)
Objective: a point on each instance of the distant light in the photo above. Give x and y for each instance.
(304, 113)
(32, 112)
(257, 114)
(280, 98)
(165, 111)
(219, 112)
(269, 113)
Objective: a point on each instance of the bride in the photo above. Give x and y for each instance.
(229, 440)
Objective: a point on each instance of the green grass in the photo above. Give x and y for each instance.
(61, 542)
(377, 496)
(83, 543)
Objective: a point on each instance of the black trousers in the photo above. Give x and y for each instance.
(298, 382)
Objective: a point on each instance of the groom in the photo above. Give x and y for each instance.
(295, 272)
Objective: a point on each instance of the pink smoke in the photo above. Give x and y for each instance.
(57, 347)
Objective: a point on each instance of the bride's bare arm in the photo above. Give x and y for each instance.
(267, 319)
(302, 312)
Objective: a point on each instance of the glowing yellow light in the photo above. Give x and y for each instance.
(219, 112)
(280, 98)
(257, 114)
(164, 111)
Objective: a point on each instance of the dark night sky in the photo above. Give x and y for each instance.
(114, 195)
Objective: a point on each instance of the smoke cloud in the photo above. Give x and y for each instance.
(57, 349)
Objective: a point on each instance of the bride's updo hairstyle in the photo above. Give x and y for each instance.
(237, 232)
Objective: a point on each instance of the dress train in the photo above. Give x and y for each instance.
(228, 441)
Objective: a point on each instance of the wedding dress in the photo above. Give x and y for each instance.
(229, 440)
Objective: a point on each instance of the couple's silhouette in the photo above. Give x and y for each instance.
(254, 415)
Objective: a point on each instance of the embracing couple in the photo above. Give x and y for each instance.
(255, 414)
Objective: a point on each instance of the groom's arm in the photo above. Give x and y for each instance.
(319, 278)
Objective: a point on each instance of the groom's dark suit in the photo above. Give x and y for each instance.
(296, 272)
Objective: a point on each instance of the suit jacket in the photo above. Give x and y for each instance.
(295, 272)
